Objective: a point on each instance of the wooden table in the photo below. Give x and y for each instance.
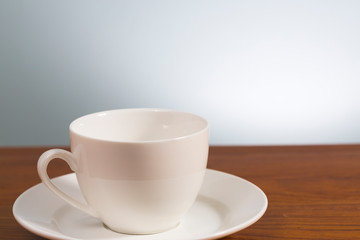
(313, 191)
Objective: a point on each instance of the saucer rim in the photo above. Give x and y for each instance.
(216, 235)
(247, 223)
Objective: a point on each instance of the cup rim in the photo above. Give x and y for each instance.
(95, 114)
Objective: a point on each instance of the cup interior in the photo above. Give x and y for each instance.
(138, 125)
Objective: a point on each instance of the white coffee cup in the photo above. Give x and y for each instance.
(139, 170)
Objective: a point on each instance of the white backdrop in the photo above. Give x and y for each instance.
(261, 72)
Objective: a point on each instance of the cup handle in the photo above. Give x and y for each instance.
(68, 157)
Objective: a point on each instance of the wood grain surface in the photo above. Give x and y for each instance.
(313, 191)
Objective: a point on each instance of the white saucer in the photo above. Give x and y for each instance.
(226, 204)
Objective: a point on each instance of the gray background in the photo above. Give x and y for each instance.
(261, 72)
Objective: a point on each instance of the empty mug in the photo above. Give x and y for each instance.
(139, 170)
